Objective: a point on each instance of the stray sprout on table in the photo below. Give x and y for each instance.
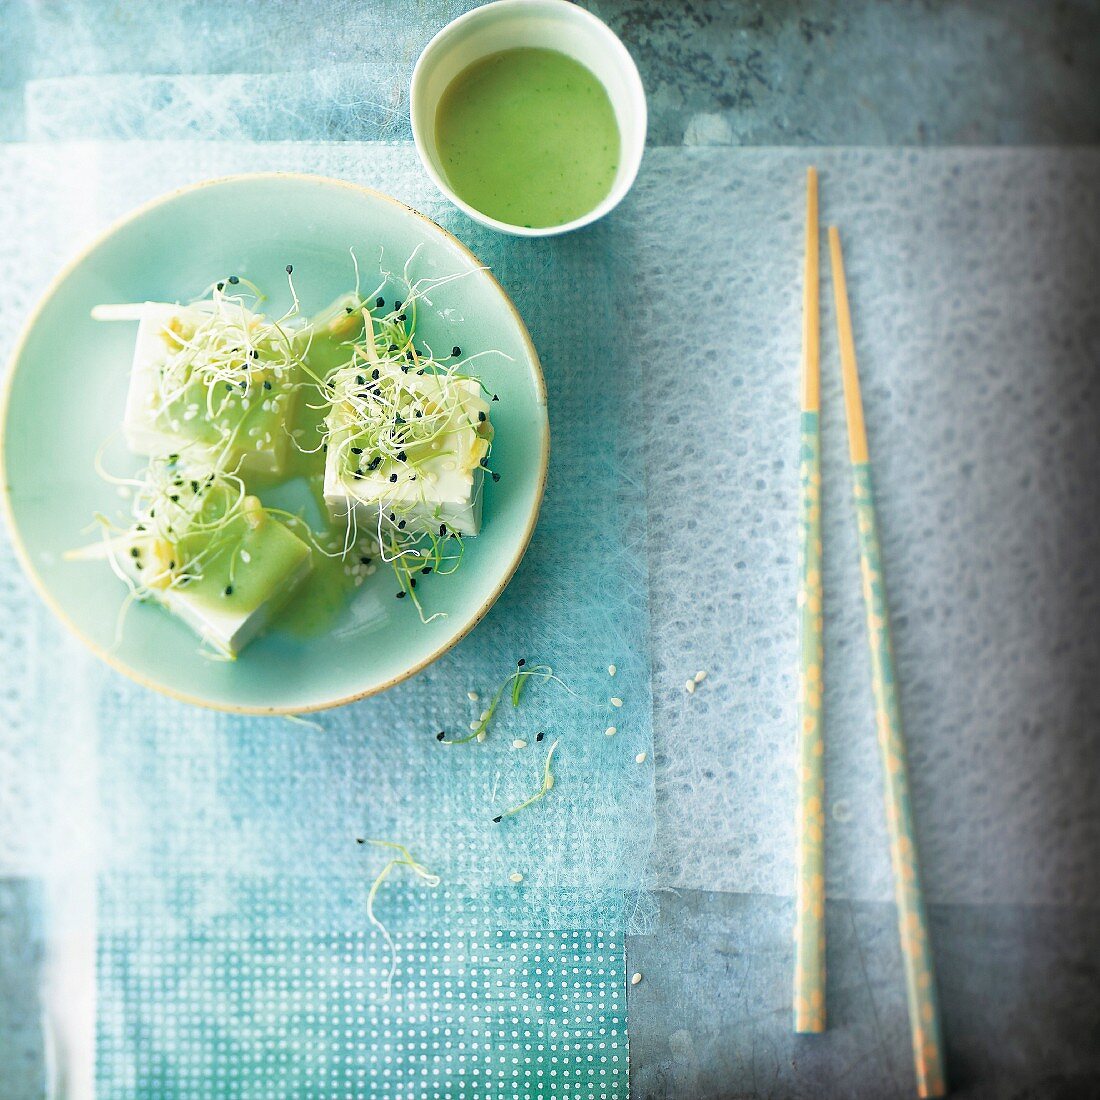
(540, 794)
(516, 682)
(402, 859)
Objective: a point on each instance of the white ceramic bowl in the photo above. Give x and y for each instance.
(547, 24)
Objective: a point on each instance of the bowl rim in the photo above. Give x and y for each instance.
(596, 25)
(8, 509)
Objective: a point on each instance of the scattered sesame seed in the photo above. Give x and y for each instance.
(635, 979)
(515, 876)
(611, 670)
(616, 701)
(472, 696)
(539, 736)
(610, 731)
(700, 676)
(689, 687)
(519, 743)
(640, 758)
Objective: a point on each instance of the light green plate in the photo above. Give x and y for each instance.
(66, 390)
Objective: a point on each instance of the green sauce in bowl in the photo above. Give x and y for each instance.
(529, 137)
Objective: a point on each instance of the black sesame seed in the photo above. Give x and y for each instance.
(174, 497)
(442, 529)
(400, 595)
(440, 735)
(374, 462)
(480, 417)
(363, 560)
(171, 565)
(360, 380)
(401, 527)
(426, 570)
(393, 477)
(357, 450)
(267, 384)
(412, 582)
(194, 486)
(495, 398)
(324, 448)
(348, 309)
(290, 269)
(134, 552)
(229, 590)
(234, 279)
(221, 286)
(496, 476)
(359, 840)
(456, 351)
(380, 302)
(402, 317)
(539, 736)
(229, 387)
(397, 304)
(497, 820)
(521, 662)
(374, 374)
(401, 456)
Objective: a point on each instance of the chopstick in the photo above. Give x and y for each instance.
(924, 1019)
(809, 932)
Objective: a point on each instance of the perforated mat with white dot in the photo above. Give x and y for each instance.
(244, 1016)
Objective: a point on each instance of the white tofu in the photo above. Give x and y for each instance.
(149, 429)
(275, 562)
(227, 630)
(449, 482)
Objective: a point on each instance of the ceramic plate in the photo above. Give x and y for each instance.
(66, 390)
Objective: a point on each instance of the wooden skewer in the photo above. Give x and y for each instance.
(809, 934)
(920, 984)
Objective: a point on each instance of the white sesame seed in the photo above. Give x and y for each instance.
(474, 725)
(610, 731)
(472, 696)
(635, 979)
(519, 743)
(616, 701)
(611, 670)
(640, 758)
(700, 676)
(481, 736)
(485, 716)
(689, 687)
(515, 876)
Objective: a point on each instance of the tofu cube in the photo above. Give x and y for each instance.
(168, 405)
(439, 482)
(241, 586)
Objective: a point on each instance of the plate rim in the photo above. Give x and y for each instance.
(105, 655)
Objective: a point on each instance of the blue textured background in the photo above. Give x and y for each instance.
(711, 1016)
